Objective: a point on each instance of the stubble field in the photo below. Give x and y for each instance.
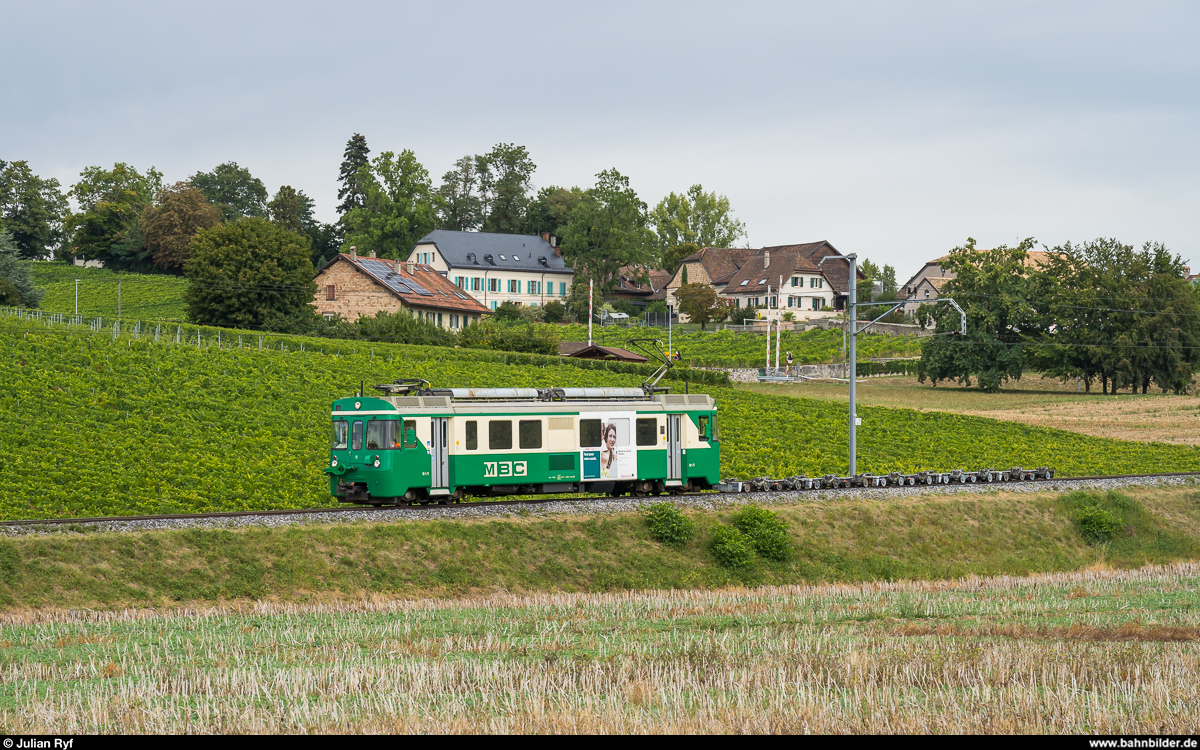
(1033, 400)
(1093, 652)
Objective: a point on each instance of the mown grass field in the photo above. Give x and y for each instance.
(143, 296)
(1092, 652)
(130, 426)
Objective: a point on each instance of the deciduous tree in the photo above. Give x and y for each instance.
(505, 175)
(32, 208)
(107, 227)
(697, 218)
(992, 288)
(399, 207)
(245, 273)
(460, 207)
(607, 230)
(168, 227)
(701, 303)
(551, 210)
(233, 190)
(293, 210)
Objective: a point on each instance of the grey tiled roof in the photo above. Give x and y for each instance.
(513, 252)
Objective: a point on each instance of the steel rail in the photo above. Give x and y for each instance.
(367, 510)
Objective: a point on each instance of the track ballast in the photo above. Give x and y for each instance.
(366, 512)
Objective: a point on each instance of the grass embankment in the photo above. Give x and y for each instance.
(1097, 652)
(1032, 400)
(924, 537)
(142, 296)
(129, 426)
(744, 349)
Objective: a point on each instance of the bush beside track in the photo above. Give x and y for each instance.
(925, 537)
(127, 426)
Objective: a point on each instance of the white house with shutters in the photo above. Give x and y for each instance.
(497, 268)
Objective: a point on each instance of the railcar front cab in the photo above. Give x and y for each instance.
(374, 453)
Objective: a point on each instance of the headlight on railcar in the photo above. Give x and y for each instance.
(376, 464)
(333, 463)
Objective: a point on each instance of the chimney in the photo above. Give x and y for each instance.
(553, 241)
(372, 253)
(546, 236)
(354, 253)
(766, 258)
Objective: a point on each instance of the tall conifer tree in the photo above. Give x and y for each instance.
(352, 193)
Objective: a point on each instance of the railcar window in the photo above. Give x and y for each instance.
(703, 427)
(647, 432)
(589, 433)
(381, 435)
(410, 433)
(500, 435)
(356, 437)
(472, 435)
(341, 435)
(530, 433)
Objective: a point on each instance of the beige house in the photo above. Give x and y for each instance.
(497, 268)
(354, 286)
(743, 275)
(781, 280)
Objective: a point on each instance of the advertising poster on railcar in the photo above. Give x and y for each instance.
(606, 446)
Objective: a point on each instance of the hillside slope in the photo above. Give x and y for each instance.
(101, 426)
(143, 296)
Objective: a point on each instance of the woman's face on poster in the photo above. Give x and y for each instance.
(610, 437)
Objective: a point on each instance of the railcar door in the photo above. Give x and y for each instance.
(674, 454)
(440, 458)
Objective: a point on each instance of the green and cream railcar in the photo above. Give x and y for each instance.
(445, 444)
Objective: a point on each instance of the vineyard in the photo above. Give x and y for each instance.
(736, 349)
(111, 422)
(143, 296)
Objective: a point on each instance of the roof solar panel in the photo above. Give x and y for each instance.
(393, 280)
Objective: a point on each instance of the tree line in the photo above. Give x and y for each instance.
(131, 220)
(1101, 312)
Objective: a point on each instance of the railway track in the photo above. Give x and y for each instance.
(367, 511)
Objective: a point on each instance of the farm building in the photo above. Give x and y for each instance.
(582, 350)
(353, 286)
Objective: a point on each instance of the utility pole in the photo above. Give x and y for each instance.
(77, 296)
(670, 330)
(778, 323)
(591, 293)
(118, 299)
(768, 327)
(851, 333)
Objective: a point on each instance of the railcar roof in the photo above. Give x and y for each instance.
(440, 405)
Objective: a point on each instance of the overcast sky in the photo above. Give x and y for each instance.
(894, 130)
